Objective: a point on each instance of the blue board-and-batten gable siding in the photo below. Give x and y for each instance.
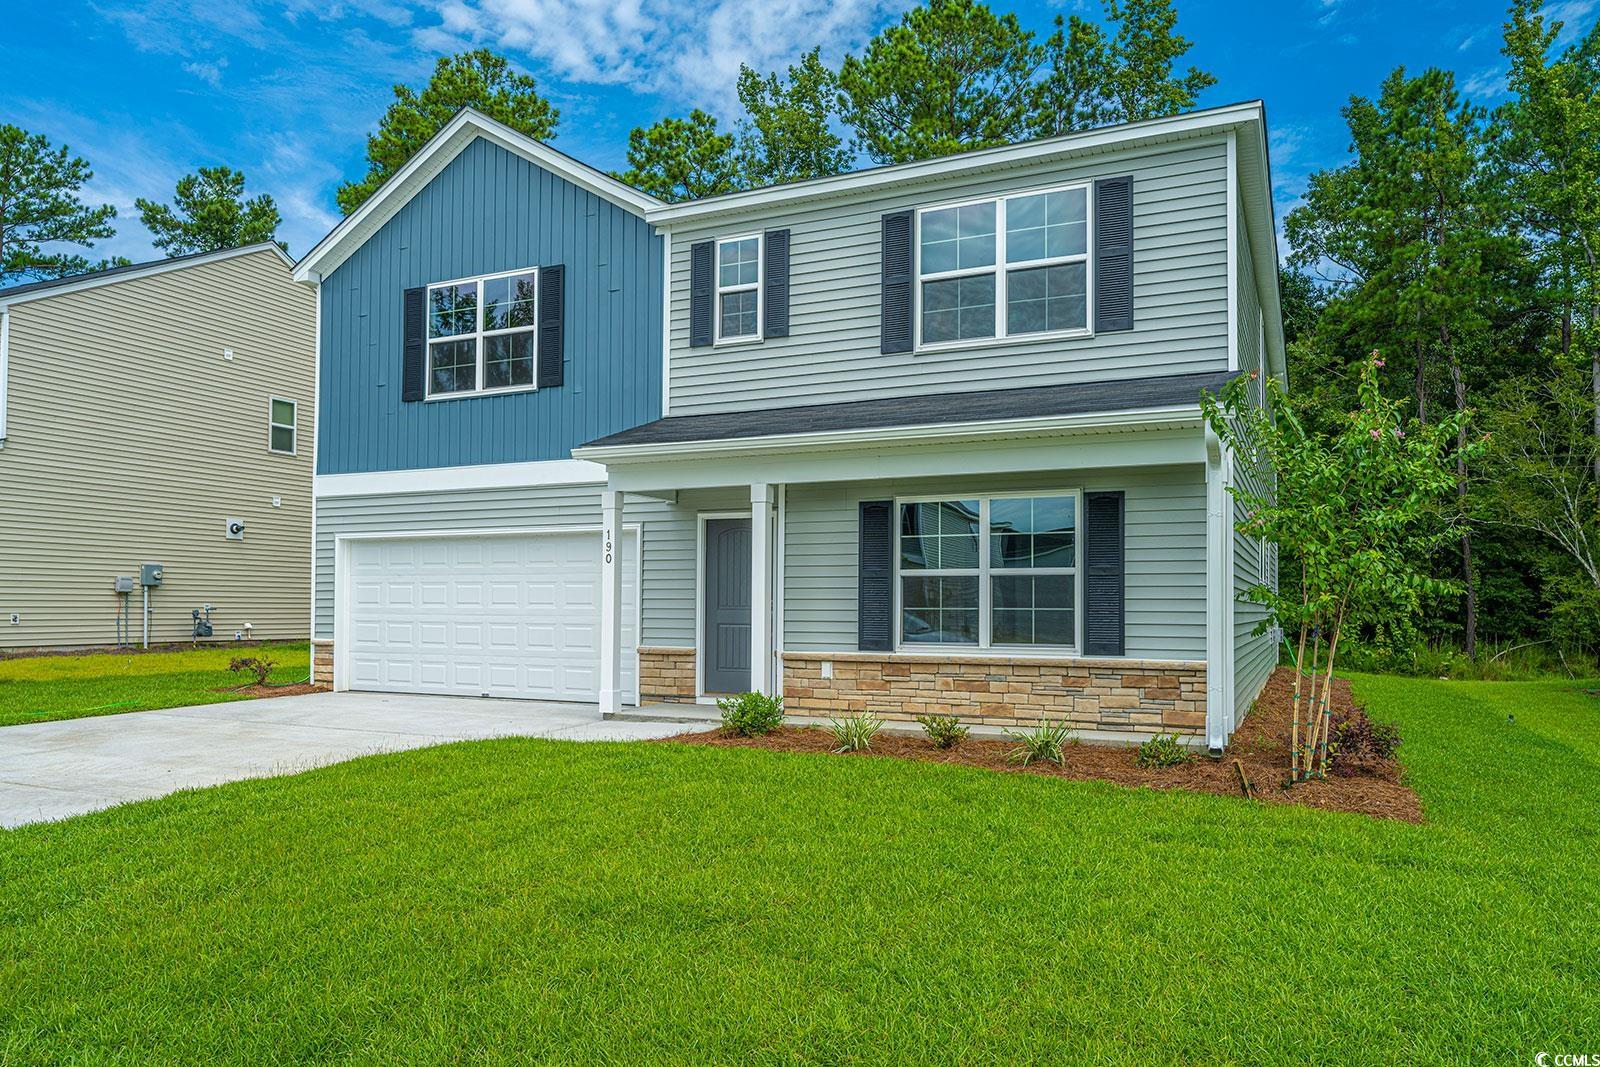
(491, 210)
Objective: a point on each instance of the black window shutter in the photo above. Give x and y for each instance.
(552, 324)
(898, 237)
(1113, 254)
(875, 581)
(1103, 582)
(701, 293)
(413, 332)
(775, 283)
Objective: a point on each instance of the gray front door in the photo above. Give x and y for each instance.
(727, 606)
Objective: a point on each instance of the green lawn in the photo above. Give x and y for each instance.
(515, 900)
(41, 688)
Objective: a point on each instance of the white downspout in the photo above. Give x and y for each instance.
(761, 587)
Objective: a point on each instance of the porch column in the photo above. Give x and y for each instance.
(610, 602)
(1219, 596)
(761, 587)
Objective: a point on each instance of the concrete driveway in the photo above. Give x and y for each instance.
(51, 770)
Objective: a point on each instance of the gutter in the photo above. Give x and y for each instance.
(1182, 417)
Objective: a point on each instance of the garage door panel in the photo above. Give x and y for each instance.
(496, 615)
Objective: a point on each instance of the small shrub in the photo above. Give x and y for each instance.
(751, 714)
(945, 731)
(854, 733)
(1046, 741)
(260, 666)
(1358, 741)
(1163, 750)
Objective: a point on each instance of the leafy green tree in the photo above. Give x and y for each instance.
(40, 205)
(478, 79)
(787, 135)
(1359, 507)
(683, 159)
(1415, 223)
(1543, 461)
(209, 212)
(1301, 301)
(1549, 140)
(949, 77)
(1092, 80)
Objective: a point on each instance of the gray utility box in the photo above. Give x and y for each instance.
(124, 584)
(150, 574)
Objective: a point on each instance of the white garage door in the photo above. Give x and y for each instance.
(503, 616)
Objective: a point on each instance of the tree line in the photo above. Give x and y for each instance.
(1459, 241)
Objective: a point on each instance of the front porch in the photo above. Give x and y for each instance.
(846, 607)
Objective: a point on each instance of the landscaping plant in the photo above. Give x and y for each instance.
(1163, 750)
(1360, 508)
(854, 733)
(260, 666)
(1047, 740)
(945, 731)
(1358, 740)
(751, 714)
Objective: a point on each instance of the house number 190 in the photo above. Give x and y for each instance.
(608, 546)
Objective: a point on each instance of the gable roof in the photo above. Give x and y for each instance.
(468, 125)
(16, 294)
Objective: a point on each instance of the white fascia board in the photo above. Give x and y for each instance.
(1254, 172)
(1157, 418)
(447, 479)
(95, 279)
(432, 158)
(1195, 123)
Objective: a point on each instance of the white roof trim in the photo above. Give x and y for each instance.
(1156, 418)
(342, 241)
(1195, 123)
(95, 279)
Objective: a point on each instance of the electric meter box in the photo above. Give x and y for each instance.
(124, 584)
(150, 574)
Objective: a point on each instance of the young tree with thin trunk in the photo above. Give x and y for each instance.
(41, 206)
(1359, 506)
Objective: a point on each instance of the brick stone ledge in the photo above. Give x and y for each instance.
(322, 660)
(666, 674)
(971, 659)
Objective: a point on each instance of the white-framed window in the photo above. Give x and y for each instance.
(1007, 267)
(739, 289)
(989, 572)
(483, 334)
(281, 420)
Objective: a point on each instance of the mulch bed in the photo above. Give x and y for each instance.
(1261, 745)
(290, 689)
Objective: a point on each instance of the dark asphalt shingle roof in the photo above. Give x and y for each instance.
(1126, 394)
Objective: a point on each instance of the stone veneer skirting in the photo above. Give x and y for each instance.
(1114, 695)
(666, 674)
(322, 662)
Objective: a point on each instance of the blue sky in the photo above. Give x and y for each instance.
(148, 90)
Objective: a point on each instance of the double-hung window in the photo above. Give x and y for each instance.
(1016, 266)
(739, 289)
(989, 572)
(482, 334)
(281, 426)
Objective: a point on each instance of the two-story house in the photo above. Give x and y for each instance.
(917, 438)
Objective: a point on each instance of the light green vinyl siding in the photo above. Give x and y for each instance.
(668, 583)
(1254, 562)
(831, 353)
(131, 437)
(1165, 539)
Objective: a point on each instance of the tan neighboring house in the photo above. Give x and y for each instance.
(157, 414)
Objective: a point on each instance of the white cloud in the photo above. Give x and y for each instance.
(1485, 85)
(210, 73)
(1573, 14)
(687, 53)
